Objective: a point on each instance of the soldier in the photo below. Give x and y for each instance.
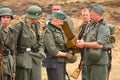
(86, 19)
(95, 39)
(68, 19)
(54, 40)
(30, 50)
(6, 15)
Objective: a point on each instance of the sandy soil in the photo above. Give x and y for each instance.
(73, 8)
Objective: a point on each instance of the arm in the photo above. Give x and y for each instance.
(82, 44)
(50, 44)
(102, 38)
(92, 45)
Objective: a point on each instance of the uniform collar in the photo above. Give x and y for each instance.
(54, 26)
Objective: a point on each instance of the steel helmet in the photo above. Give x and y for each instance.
(94, 55)
(34, 12)
(6, 11)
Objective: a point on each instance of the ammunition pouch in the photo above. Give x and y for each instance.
(107, 47)
(6, 52)
(112, 38)
(35, 48)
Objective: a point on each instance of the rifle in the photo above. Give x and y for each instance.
(1, 56)
(110, 61)
(77, 71)
(71, 38)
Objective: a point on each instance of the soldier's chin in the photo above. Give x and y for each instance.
(5, 24)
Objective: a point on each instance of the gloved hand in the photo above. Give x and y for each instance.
(70, 58)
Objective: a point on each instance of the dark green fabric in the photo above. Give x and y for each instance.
(59, 15)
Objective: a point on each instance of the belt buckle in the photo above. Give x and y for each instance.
(28, 49)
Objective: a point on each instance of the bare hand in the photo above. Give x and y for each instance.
(80, 44)
(13, 75)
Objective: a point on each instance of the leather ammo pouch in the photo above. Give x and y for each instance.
(6, 52)
(94, 54)
(35, 48)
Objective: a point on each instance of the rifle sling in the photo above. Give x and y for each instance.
(21, 32)
(20, 35)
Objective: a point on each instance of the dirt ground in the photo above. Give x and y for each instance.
(73, 8)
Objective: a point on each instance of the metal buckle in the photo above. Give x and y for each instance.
(28, 49)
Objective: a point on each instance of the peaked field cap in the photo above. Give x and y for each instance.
(59, 15)
(97, 8)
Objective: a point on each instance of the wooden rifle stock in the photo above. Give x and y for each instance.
(1, 56)
(71, 38)
(77, 71)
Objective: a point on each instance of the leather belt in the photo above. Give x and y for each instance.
(24, 49)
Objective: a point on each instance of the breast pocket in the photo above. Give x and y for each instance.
(25, 39)
(58, 38)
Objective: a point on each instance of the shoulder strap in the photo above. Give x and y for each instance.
(36, 31)
(99, 24)
(20, 35)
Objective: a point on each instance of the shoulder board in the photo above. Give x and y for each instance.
(17, 26)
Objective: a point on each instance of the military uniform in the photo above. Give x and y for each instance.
(8, 54)
(96, 59)
(8, 46)
(30, 49)
(54, 40)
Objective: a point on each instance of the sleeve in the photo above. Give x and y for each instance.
(103, 34)
(50, 43)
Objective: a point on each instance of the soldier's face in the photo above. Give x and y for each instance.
(5, 20)
(57, 22)
(32, 20)
(86, 16)
(56, 7)
(94, 16)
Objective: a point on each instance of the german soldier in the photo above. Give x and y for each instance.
(56, 53)
(6, 15)
(95, 37)
(30, 50)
